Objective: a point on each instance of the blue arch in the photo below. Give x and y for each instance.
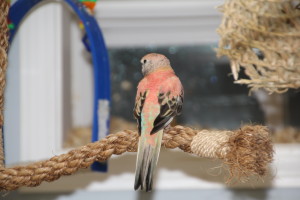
(97, 48)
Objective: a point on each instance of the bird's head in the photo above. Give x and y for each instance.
(154, 61)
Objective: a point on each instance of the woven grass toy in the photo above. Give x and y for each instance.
(263, 38)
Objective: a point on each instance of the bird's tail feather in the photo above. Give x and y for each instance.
(146, 162)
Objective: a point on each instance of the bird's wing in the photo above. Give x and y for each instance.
(138, 107)
(171, 101)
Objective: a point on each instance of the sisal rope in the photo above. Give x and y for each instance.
(4, 6)
(66, 164)
(209, 145)
(246, 151)
(230, 149)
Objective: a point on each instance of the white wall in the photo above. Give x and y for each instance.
(34, 101)
(82, 79)
(12, 106)
(169, 22)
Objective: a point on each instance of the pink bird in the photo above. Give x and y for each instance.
(159, 99)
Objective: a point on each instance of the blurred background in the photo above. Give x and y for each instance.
(49, 100)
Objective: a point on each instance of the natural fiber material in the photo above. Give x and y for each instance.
(263, 37)
(1, 149)
(208, 145)
(249, 152)
(4, 5)
(178, 136)
(246, 151)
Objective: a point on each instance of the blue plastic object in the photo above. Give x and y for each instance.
(95, 44)
(85, 41)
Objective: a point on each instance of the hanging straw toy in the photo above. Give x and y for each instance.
(263, 38)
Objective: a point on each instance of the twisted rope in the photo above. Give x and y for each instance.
(126, 141)
(4, 6)
(246, 151)
(66, 164)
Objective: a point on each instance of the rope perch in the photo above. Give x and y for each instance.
(246, 151)
(4, 6)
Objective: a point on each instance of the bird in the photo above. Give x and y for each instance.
(158, 100)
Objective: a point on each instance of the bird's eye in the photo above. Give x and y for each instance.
(144, 61)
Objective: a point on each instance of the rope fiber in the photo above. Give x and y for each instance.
(231, 149)
(4, 6)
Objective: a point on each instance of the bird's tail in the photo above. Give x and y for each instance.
(146, 161)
